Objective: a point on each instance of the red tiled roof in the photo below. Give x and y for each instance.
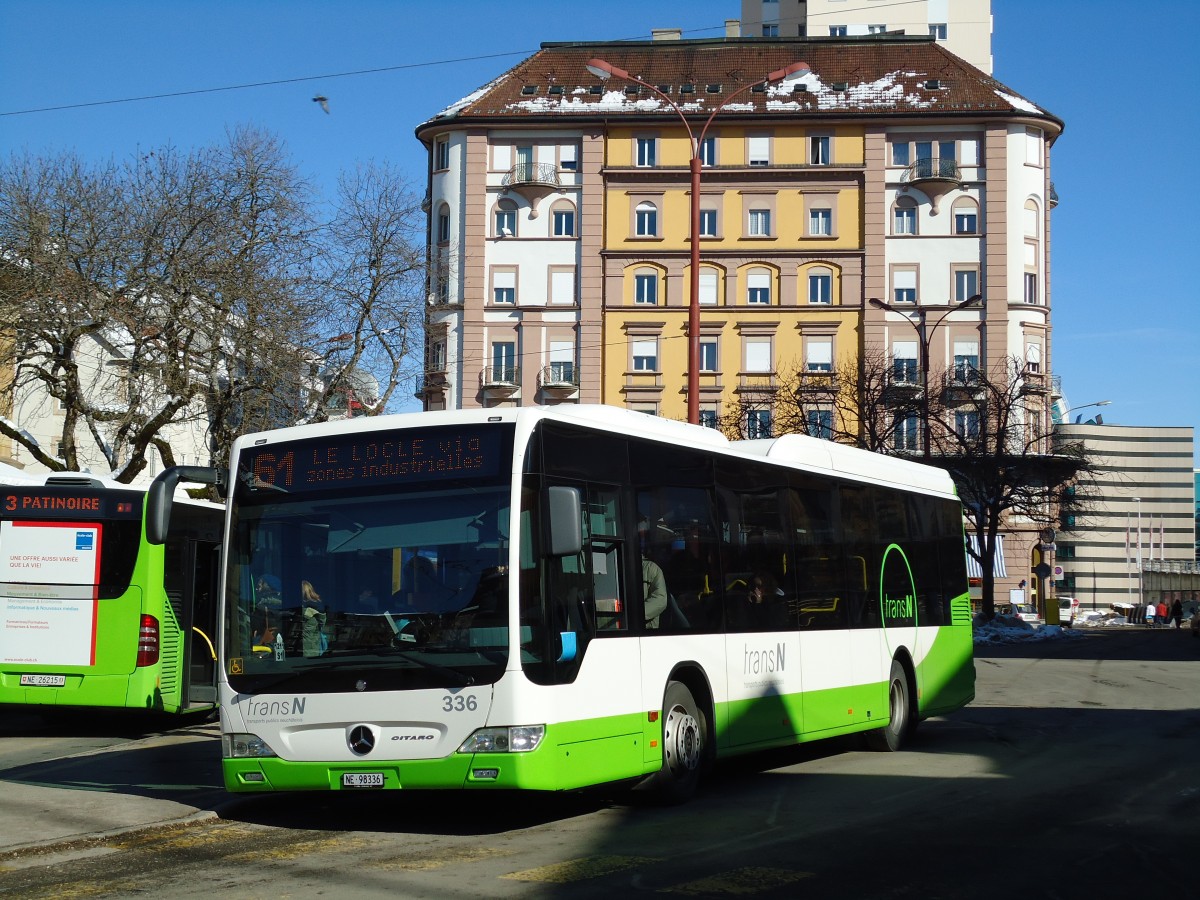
(850, 77)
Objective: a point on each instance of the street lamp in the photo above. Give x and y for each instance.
(605, 70)
(1067, 414)
(924, 336)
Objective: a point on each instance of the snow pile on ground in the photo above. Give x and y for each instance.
(1011, 630)
(1094, 618)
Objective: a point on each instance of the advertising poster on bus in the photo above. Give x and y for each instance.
(48, 579)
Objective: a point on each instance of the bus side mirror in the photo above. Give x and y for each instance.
(162, 492)
(566, 520)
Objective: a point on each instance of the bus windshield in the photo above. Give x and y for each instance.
(397, 583)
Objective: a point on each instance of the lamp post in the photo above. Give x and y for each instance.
(924, 336)
(1138, 501)
(605, 70)
(1085, 406)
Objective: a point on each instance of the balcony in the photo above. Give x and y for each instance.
(428, 383)
(902, 386)
(500, 380)
(559, 379)
(1035, 382)
(935, 177)
(964, 378)
(533, 181)
(817, 383)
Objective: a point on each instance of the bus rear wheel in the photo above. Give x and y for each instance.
(900, 714)
(684, 744)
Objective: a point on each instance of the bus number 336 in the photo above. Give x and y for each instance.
(460, 703)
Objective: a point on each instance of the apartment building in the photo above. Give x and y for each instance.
(880, 168)
(964, 27)
(1138, 540)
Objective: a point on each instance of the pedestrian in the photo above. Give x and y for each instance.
(1162, 613)
(1177, 612)
(1151, 611)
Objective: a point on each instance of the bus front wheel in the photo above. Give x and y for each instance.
(900, 713)
(684, 743)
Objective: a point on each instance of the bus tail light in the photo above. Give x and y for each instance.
(147, 654)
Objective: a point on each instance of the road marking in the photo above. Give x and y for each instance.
(580, 869)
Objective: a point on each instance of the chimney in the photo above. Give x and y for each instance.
(733, 28)
(666, 34)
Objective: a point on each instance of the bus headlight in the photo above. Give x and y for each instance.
(244, 746)
(513, 739)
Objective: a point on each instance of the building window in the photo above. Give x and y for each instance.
(568, 159)
(937, 31)
(1033, 359)
(645, 220)
(758, 150)
(562, 286)
(904, 362)
(758, 356)
(441, 153)
(437, 356)
(1033, 146)
(506, 218)
(708, 417)
(760, 223)
(504, 288)
(819, 423)
(708, 151)
(708, 356)
(966, 216)
(647, 151)
(1031, 287)
(820, 286)
(820, 222)
(709, 281)
(562, 362)
(443, 227)
(645, 288)
(904, 216)
(758, 424)
(905, 431)
(645, 356)
(504, 362)
(758, 287)
(876, 29)
(564, 223)
(966, 284)
(818, 356)
(966, 424)
(837, 30)
(966, 361)
(904, 286)
(900, 153)
(770, 30)
(708, 223)
(818, 150)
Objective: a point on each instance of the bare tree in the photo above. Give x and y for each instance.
(372, 278)
(990, 431)
(201, 291)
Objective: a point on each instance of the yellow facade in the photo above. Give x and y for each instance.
(735, 263)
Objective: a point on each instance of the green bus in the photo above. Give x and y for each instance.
(547, 598)
(94, 615)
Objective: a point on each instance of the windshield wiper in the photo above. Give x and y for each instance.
(409, 656)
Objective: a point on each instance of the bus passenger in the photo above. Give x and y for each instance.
(654, 591)
(312, 635)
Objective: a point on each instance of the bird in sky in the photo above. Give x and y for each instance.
(324, 101)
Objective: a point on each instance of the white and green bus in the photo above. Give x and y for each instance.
(459, 600)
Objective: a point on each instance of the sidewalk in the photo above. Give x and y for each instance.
(153, 781)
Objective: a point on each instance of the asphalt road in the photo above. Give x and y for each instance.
(1074, 774)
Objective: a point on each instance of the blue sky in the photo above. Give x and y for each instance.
(1126, 315)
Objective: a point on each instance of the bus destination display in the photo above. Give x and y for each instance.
(50, 503)
(373, 458)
